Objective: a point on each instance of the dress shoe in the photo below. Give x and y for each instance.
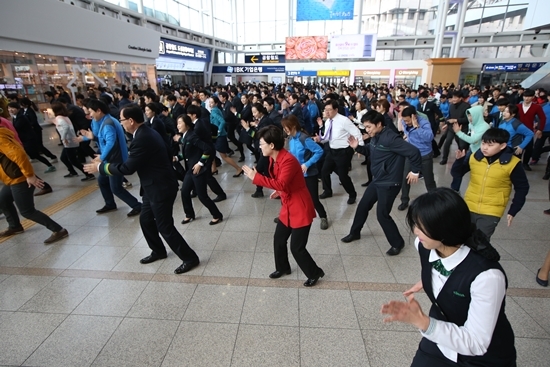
(193, 194)
(91, 177)
(219, 198)
(546, 176)
(312, 281)
(547, 212)
(151, 258)
(443, 162)
(276, 220)
(106, 209)
(187, 220)
(11, 231)
(402, 206)
(44, 191)
(364, 163)
(185, 267)
(533, 161)
(393, 251)
(325, 195)
(71, 174)
(215, 172)
(437, 154)
(50, 169)
(351, 199)
(240, 173)
(258, 194)
(215, 221)
(56, 236)
(134, 212)
(527, 168)
(544, 283)
(241, 159)
(277, 274)
(324, 223)
(366, 184)
(231, 152)
(350, 237)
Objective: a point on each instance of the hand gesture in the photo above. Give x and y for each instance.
(250, 172)
(96, 159)
(444, 127)
(87, 133)
(233, 109)
(78, 139)
(414, 121)
(304, 168)
(353, 142)
(509, 219)
(456, 127)
(518, 150)
(319, 121)
(196, 169)
(274, 195)
(415, 288)
(35, 181)
(90, 167)
(316, 138)
(408, 312)
(177, 138)
(460, 153)
(245, 125)
(412, 178)
(538, 134)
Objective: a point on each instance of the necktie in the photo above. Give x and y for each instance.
(328, 134)
(438, 265)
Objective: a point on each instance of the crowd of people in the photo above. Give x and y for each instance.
(298, 136)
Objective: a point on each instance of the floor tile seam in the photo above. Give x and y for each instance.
(108, 339)
(239, 323)
(547, 331)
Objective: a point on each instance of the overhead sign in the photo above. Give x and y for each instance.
(408, 72)
(301, 73)
(175, 49)
(511, 67)
(356, 46)
(324, 10)
(333, 73)
(247, 69)
(264, 59)
(372, 73)
(179, 65)
(306, 48)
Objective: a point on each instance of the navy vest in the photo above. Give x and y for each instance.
(453, 303)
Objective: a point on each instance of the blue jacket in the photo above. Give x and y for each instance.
(413, 102)
(106, 132)
(444, 107)
(546, 109)
(420, 137)
(216, 118)
(297, 149)
(521, 130)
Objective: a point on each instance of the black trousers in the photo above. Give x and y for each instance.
(42, 148)
(233, 127)
(156, 217)
(199, 182)
(528, 152)
(313, 188)
(450, 136)
(85, 150)
(338, 160)
(34, 153)
(298, 242)
(262, 167)
(539, 145)
(385, 196)
(70, 159)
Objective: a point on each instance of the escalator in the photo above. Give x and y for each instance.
(539, 79)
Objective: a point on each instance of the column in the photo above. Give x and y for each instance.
(463, 7)
(441, 22)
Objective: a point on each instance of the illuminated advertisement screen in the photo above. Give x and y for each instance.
(306, 48)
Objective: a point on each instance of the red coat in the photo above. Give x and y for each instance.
(288, 179)
(528, 118)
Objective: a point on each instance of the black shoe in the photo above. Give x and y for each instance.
(215, 172)
(350, 237)
(544, 283)
(276, 220)
(443, 162)
(134, 212)
(325, 195)
(364, 163)
(393, 251)
(526, 167)
(105, 209)
(547, 212)
(437, 154)
(546, 176)
(44, 191)
(219, 198)
(231, 152)
(193, 194)
(71, 174)
(241, 159)
(185, 267)
(365, 184)
(215, 221)
(351, 199)
(258, 194)
(12, 231)
(240, 173)
(402, 206)
(151, 258)
(88, 178)
(312, 281)
(277, 274)
(187, 220)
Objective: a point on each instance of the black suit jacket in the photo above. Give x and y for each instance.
(432, 111)
(246, 113)
(236, 102)
(150, 158)
(229, 116)
(203, 129)
(24, 129)
(176, 111)
(195, 150)
(31, 115)
(157, 124)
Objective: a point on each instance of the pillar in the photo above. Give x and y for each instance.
(444, 70)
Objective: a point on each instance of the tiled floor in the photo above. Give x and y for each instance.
(86, 301)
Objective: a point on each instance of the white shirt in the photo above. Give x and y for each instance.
(487, 293)
(340, 128)
(526, 107)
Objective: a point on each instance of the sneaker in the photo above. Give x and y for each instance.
(71, 175)
(89, 177)
(324, 223)
(56, 236)
(50, 169)
(126, 184)
(12, 231)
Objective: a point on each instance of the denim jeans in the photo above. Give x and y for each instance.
(23, 197)
(112, 185)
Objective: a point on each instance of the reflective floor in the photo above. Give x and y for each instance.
(87, 301)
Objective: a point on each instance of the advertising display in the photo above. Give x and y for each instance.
(180, 65)
(511, 67)
(324, 10)
(333, 73)
(356, 46)
(175, 49)
(306, 48)
(372, 76)
(247, 69)
(301, 73)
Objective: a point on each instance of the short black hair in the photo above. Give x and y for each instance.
(63, 100)
(458, 93)
(187, 121)
(513, 109)
(133, 112)
(502, 102)
(408, 111)
(172, 97)
(272, 135)
(260, 108)
(495, 135)
(14, 105)
(529, 93)
(269, 100)
(95, 105)
(374, 117)
(332, 103)
(194, 110)
(424, 94)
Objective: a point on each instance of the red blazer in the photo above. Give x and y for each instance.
(288, 179)
(528, 119)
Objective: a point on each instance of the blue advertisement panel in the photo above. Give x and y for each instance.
(179, 50)
(301, 73)
(324, 10)
(512, 67)
(247, 69)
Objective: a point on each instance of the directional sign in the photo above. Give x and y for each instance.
(264, 59)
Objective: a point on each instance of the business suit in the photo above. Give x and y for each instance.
(31, 116)
(149, 157)
(195, 150)
(176, 111)
(246, 113)
(232, 126)
(433, 112)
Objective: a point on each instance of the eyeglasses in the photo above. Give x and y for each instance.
(123, 120)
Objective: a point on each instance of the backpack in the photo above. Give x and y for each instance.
(312, 170)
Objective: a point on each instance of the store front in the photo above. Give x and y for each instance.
(301, 76)
(514, 73)
(181, 63)
(333, 76)
(250, 74)
(411, 78)
(372, 77)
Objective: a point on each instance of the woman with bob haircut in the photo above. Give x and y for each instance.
(297, 211)
(461, 275)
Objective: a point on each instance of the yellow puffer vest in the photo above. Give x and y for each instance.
(490, 185)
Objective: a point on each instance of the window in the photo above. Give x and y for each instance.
(412, 12)
(421, 15)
